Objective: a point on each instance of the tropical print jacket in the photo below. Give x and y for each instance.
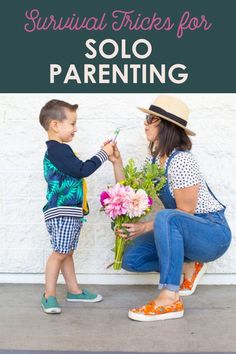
(64, 174)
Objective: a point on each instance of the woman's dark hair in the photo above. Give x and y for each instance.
(170, 137)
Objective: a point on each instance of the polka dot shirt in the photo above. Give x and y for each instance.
(184, 172)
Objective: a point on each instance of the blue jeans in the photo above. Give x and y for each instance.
(177, 237)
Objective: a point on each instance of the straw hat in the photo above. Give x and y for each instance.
(171, 109)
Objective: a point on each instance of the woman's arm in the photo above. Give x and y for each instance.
(118, 170)
(185, 180)
(186, 198)
(117, 163)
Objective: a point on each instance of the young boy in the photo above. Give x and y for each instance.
(66, 200)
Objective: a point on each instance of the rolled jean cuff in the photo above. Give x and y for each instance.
(170, 287)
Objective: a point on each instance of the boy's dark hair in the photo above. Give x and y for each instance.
(170, 137)
(54, 110)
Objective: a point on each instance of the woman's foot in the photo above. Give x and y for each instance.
(192, 274)
(166, 306)
(188, 269)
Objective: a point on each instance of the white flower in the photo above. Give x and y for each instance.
(138, 204)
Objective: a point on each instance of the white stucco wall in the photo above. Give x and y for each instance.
(24, 244)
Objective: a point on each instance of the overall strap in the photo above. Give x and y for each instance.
(213, 195)
(153, 160)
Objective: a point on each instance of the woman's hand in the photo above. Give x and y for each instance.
(116, 154)
(133, 230)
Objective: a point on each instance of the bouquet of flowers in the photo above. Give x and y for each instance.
(130, 200)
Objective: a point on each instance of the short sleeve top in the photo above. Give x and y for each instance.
(183, 172)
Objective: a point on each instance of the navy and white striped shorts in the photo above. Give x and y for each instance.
(64, 233)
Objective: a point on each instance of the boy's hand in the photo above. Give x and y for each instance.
(116, 153)
(108, 148)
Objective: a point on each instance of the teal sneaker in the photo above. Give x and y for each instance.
(85, 296)
(50, 305)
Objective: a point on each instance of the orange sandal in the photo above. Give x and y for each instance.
(188, 286)
(151, 313)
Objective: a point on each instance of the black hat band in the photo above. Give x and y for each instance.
(173, 117)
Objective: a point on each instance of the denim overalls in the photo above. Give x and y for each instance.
(177, 237)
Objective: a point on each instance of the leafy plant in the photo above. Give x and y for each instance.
(150, 178)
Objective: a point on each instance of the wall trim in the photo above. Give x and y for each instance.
(114, 279)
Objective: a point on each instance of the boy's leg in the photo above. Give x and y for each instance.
(49, 301)
(64, 234)
(53, 266)
(62, 231)
(68, 271)
(67, 267)
(75, 294)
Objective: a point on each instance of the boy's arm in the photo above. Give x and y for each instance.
(62, 156)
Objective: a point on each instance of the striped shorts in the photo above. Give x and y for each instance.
(64, 233)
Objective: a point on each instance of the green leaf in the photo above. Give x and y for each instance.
(151, 178)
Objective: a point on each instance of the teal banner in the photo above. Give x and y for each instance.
(118, 46)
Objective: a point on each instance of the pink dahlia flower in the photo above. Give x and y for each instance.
(117, 202)
(104, 195)
(139, 203)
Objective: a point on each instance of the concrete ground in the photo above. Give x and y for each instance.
(209, 323)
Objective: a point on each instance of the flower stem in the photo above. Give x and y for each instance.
(119, 251)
